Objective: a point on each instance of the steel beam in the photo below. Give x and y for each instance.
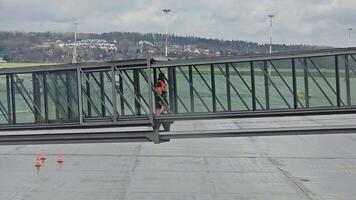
(103, 136)
(325, 130)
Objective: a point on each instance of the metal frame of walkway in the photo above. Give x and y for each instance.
(121, 93)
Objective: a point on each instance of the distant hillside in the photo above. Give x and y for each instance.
(58, 47)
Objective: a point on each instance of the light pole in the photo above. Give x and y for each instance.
(166, 11)
(270, 44)
(74, 59)
(270, 32)
(349, 38)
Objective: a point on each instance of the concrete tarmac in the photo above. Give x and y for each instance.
(319, 167)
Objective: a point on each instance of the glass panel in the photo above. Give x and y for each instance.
(5, 116)
(202, 82)
(62, 96)
(352, 65)
(220, 87)
(322, 81)
(302, 83)
(29, 98)
(127, 98)
(183, 90)
(280, 88)
(240, 76)
(344, 81)
(260, 84)
(143, 80)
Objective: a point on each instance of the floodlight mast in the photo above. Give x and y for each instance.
(349, 38)
(270, 32)
(74, 59)
(166, 11)
(270, 45)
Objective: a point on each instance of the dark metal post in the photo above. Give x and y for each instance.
(337, 79)
(102, 93)
(228, 86)
(79, 91)
(8, 93)
(212, 74)
(265, 68)
(56, 93)
(172, 89)
(295, 92)
(306, 83)
(45, 95)
(150, 91)
(175, 90)
(88, 93)
(253, 87)
(13, 99)
(69, 96)
(347, 80)
(122, 101)
(114, 93)
(191, 91)
(36, 97)
(154, 75)
(136, 81)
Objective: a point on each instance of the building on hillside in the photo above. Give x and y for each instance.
(2, 60)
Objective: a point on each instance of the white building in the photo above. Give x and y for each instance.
(2, 60)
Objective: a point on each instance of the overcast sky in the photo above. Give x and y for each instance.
(320, 22)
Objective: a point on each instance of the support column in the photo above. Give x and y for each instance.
(172, 89)
(36, 97)
(136, 81)
(191, 90)
(213, 91)
(45, 95)
(13, 97)
(8, 93)
(347, 79)
(337, 79)
(122, 101)
(265, 68)
(295, 92)
(88, 93)
(102, 93)
(306, 83)
(253, 87)
(114, 94)
(228, 86)
(80, 101)
(69, 96)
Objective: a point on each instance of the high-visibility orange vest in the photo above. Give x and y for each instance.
(161, 87)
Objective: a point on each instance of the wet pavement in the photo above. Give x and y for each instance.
(278, 167)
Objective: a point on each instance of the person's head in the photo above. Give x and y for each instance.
(161, 76)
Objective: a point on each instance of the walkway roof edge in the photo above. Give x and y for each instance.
(258, 57)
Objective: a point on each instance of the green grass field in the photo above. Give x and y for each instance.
(12, 65)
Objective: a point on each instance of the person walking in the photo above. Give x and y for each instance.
(161, 94)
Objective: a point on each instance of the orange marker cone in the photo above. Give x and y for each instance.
(38, 165)
(42, 156)
(60, 159)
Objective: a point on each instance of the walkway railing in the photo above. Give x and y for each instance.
(122, 93)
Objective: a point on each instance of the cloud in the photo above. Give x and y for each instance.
(321, 22)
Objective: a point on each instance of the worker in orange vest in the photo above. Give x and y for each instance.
(161, 94)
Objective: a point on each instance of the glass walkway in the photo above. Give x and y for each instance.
(122, 93)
